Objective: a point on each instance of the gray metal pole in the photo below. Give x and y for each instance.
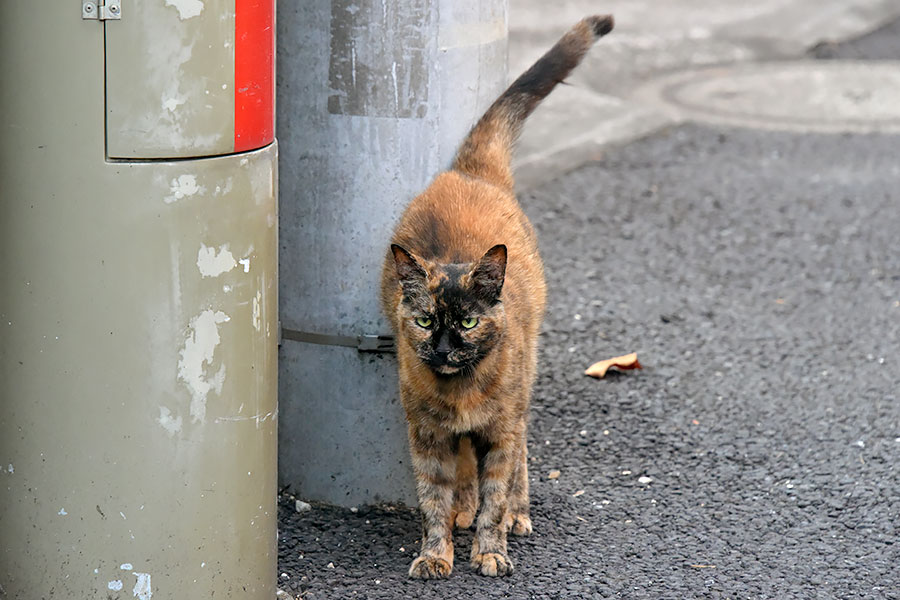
(373, 98)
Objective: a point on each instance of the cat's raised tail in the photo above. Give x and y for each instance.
(487, 150)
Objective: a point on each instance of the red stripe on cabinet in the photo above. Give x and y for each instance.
(254, 70)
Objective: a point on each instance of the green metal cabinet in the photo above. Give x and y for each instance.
(138, 303)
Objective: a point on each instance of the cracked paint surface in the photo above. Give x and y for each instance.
(197, 356)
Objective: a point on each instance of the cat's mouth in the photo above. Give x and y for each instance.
(447, 370)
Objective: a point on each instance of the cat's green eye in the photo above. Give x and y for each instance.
(423, 322)
(469, 323)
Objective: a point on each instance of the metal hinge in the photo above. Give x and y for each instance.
(101, 10)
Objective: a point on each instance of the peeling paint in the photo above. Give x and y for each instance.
(218, 380)
(10, 469)
(246, 264)
(183, 186)
(170, 104)
(62, 512)
(172, 426)
(115, 585)
(126, 566)
(198, 351)
(257, 300)
(142, 589)
(213, 264)
(187, 9)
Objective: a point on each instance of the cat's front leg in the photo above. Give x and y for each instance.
(434, 464)
(497, 459)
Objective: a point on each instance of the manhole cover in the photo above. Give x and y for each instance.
(838, 96)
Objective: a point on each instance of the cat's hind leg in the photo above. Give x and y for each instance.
(465, 494)
(518, 520)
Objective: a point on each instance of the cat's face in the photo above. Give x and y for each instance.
(451, 314)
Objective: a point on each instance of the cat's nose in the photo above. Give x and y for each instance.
(443, 346)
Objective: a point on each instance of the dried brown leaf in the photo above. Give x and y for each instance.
(622, 363)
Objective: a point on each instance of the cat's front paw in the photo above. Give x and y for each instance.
(430, 567)
(518, 524)
(492, 564)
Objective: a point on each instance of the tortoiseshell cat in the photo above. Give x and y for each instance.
(463, 286)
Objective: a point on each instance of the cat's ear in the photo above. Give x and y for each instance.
(410, 273)
(488, 275)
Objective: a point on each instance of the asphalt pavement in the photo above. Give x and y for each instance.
(757, 275)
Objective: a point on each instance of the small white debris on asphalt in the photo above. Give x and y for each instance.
(604, 502)
(626, 472)
(606, 432)
(402, 549)
(582, 432)
(353, 509)
(578, 493)
(861, 444)
(300, 506)
(331, 565)
(644, 479)
(554, 474)
(285, 576)
(789, 485)
(377, 581)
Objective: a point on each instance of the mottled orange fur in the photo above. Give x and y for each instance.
(463, 253)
